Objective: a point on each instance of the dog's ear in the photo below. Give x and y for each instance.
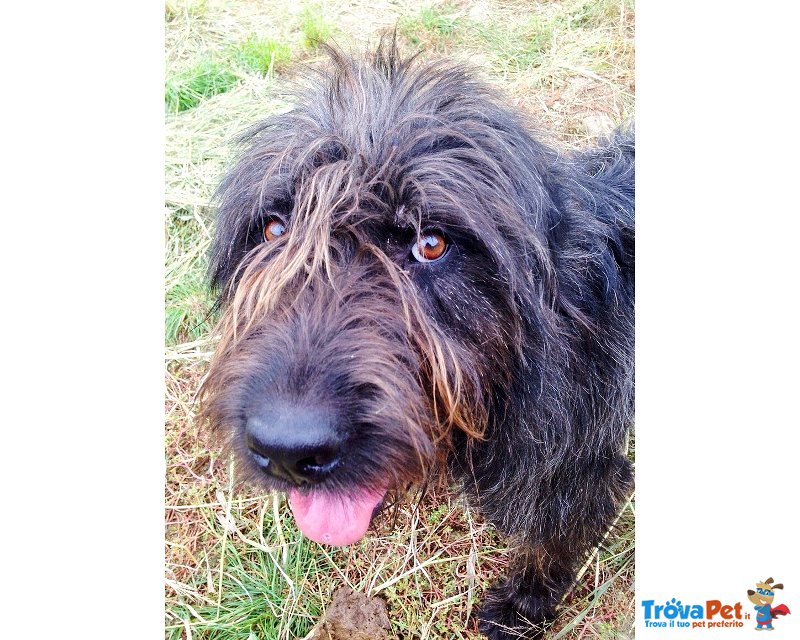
(768, 581)
(778, 586)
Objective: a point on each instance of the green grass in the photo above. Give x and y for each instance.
(315, 27)
(263, 55)
(521, 45)
(188, 87)
(188, 301)
(187, 310)
(434, 26)
(596, 13)
(256, 568)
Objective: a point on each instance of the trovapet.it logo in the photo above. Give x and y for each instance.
(712, 613)
(715, 613)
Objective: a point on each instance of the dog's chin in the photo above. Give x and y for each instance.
(336, 519)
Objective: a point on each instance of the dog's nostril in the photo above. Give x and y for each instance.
(321, 457)
(317, 465)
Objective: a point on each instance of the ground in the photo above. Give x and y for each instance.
(236, 567)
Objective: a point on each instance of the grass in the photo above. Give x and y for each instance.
(174, 9)
(263, 55)
(188, 87)
(236, 567)
(521, 46)
(315, 28)
(570, 64)
(188, 302)
(187, 310)
(437, 26)
(255, 586)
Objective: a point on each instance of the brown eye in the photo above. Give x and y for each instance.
(429, 247)
(274, 229)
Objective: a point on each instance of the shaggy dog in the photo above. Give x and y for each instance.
(413, 285)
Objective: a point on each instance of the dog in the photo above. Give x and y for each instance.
(412, 285)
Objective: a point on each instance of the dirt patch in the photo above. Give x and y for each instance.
(353, 616)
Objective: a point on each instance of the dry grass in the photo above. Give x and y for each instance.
(236, 565)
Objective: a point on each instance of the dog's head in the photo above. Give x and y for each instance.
(374, 246)
(764, 592)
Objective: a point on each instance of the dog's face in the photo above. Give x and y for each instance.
(367, 254)
(764, 593)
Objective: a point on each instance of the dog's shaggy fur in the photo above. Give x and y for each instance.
(358, 358)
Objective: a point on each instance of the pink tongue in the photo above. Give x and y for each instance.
(336, 520)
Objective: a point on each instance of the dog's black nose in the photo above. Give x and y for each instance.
(298, 443)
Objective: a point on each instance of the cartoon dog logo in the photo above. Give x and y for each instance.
(762, 597)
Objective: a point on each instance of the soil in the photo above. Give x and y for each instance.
(353, 616)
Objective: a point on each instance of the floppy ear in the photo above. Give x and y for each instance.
(768, 581)
(778, 586)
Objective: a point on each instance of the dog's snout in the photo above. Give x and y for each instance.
(299, 444)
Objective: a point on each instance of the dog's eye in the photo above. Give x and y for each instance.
(274, 229)
(430, 246)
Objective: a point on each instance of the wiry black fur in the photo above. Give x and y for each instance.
(535, 300)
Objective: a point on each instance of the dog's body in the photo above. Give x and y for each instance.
(412, 284)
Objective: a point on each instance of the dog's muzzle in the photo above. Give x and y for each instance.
(303, 443)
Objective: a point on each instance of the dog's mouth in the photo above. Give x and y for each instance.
(336, 520)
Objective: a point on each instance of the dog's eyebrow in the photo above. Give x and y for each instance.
(400, 214)
(276, 199)
(412, 219)
(404, 218)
